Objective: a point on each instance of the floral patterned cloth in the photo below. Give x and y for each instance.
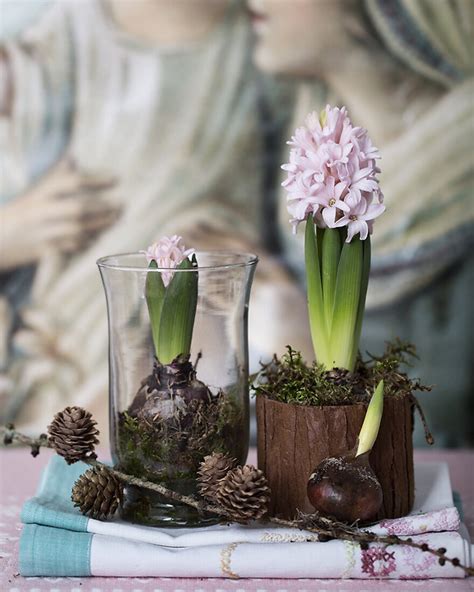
(57, 540)
(436, 521)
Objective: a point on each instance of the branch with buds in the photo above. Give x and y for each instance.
(217, 495)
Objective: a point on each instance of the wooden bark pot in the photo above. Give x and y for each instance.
(294, 439)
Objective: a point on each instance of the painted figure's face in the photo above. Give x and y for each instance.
(169, 22)
(202, 12)
(297, 36)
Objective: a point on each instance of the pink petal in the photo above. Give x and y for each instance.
(353, 198)
(329, 216)
(364, 229)
(361, 174)
(344, 221)
(356, 227)
(366, 185)
(360, 208)
(373, 211)
(342, 206)
(339, 189)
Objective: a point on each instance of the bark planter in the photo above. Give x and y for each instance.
(294, 439)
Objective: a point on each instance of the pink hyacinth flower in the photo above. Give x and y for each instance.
(168, 253)
(332, 174)
(330, 198)
(358, 220)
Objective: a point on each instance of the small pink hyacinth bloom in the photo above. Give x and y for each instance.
(332, 174)
(330, 197)
(359, 219)
(168, 253)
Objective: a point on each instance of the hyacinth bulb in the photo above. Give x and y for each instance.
(345, 487)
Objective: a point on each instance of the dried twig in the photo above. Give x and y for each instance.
(8, 435)
(332, 529)
(428, 435)
(325, 528)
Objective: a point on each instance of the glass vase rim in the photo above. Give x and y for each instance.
(247, 260)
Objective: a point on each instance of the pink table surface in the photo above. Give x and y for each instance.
(19, 474)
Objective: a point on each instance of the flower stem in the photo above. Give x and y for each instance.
(315, 296)
(331, 251)
(362, 295)
(346, 305)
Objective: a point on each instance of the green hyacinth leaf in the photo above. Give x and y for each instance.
(154, 294)
(363, 293)
(346, 304)
(178, 313)
(315, 294)
(331, 252)
(319, 243)
(373, 417)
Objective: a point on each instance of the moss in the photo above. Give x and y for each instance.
(170, 450)
(172, 423)
(290, 380)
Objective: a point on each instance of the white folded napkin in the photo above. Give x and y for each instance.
(57, 540)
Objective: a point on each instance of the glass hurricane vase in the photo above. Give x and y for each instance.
(164, 419)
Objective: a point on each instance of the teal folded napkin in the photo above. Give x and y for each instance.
(54, 540)
(57, 540)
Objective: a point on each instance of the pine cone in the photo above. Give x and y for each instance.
(73, 434)
(212, 469)
(97, 493)
(244, 494)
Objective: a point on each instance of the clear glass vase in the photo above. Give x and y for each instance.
(164, 419)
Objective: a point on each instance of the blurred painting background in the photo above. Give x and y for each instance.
(125, 120)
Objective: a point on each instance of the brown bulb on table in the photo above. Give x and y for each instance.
(345, 488)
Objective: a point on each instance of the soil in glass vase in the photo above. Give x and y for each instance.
(178, 372)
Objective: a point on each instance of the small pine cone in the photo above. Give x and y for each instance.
(97, 493)
(73, 434)
(244, 494)
(211, 471)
